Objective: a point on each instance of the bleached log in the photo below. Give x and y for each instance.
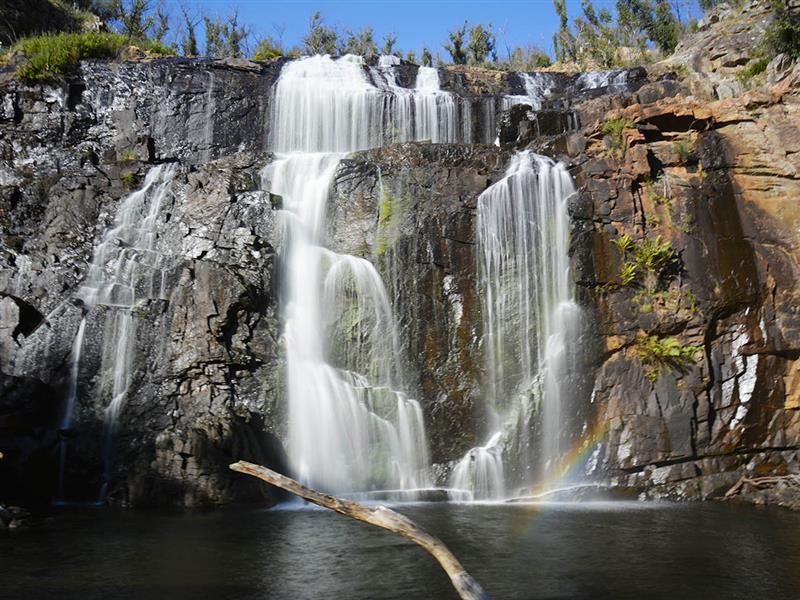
(380, 516)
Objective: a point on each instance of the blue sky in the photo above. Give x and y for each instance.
(416, 23)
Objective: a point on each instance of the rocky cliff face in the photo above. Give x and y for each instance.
(718, 181)
(713, 182)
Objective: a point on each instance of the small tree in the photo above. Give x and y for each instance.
(320, 38)
(666, 28)
(268, 49)
(597, 37)
(160, 24)
(360, 42)
(481, 43)
(224, 37)
(563, 40)
(134, 17)
(426, 59)
(783, 33)
(389, 40)
(527, 59)
(456, 47)
(189, 40)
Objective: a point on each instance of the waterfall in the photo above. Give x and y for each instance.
(434, 110)
(211, 107)
(351, 427)
(74, 365)
(69, 409)
(126, 268)
(537, 87)
(529, 314)
(481, 471)
(593, 80)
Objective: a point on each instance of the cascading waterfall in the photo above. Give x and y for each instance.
(72, 398)
(126, 268)
(434, 110)
(529, 314)
(537, 87)
(350, 427)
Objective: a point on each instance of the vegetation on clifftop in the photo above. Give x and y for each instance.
(49, 56)
(625, 33)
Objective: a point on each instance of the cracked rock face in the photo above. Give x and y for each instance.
(717, 180)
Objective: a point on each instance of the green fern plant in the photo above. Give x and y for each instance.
(612, 129)
(657, 353)
(627, 273)
(623, 243)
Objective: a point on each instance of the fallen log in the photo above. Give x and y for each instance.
(380, 516)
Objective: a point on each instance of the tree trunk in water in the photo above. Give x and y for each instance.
(380, 516)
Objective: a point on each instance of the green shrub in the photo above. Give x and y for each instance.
(680, 69)
(782, 35)
(647, 258)
(612, 129)
(49, 56)
(684, 149)
(623, 243)
(129, 179)
(267, 49)
(155, 47)
(753, 68)
(664, 352)
(654, 253)
(627, 273)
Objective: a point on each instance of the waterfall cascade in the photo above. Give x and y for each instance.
(352, 423)
(529, 314)
(351, 428)
(126, 268)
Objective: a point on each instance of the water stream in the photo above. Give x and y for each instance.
(352, 425)
(529, 316)
(126, 269)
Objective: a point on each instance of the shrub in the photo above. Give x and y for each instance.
(651, 256)
(130, 179)
(267, 49)
(647, 258)
(50, 56)
(623, 243)
(627, 273)
(684, 149)
(783, 33)
(753, 68)
(155, 47)
(664, 352)
(612, 129)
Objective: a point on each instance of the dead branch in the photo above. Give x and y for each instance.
(761, 483)
(380, 516)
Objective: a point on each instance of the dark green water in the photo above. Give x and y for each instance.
(603, 552)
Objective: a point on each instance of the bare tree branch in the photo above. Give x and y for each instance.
(380, 516)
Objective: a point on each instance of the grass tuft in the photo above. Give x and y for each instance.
(50, 56)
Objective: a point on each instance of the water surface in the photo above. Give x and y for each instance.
(566, 551)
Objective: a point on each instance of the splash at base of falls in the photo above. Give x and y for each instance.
(481, 471)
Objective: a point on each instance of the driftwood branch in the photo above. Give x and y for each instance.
(763, 482)
(380, 516)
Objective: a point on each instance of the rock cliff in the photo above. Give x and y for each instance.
(704, 177)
